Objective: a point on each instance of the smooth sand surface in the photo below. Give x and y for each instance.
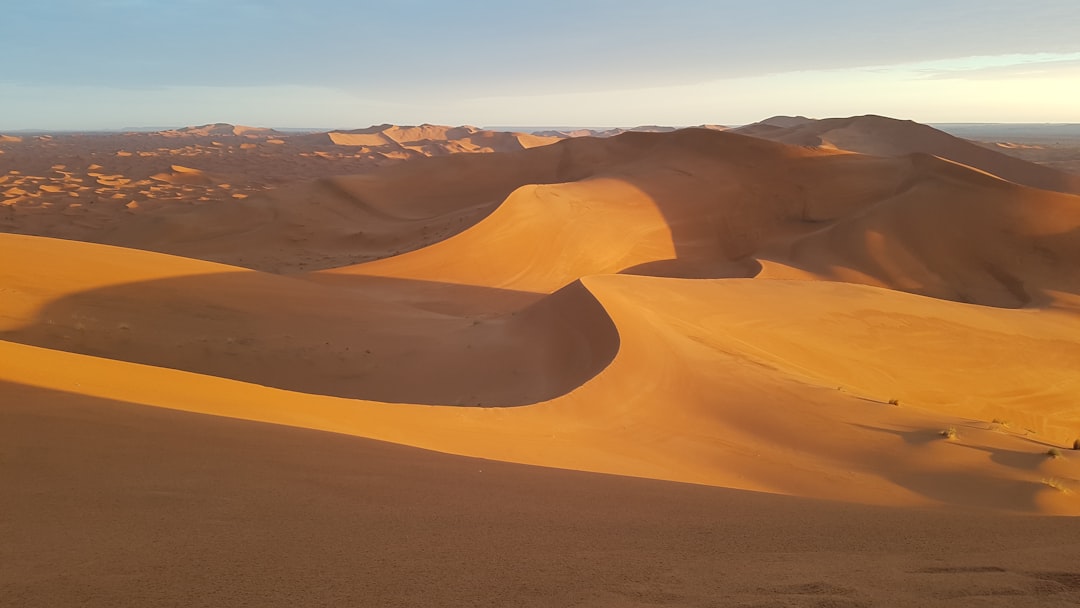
(898, 335)
(779, 386)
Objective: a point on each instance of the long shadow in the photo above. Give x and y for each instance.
(966, 250)
(722, 196)
(389, 340)
(911, 436)
(725, 196)
(962, 487)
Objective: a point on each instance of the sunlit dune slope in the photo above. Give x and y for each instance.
(775, 386)
(107, 501)
(342, 220)
(709, 204)
(524, 286)
(882, 136)
(691, 203)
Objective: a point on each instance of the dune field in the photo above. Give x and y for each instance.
(797, 363)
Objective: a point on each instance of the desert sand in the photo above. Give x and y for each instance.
(781, 371)
(885, 136)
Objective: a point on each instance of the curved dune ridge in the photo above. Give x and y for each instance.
(696, 306)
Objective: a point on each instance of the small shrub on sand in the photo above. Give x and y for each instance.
(1057, 484)
(1076, 444)
(949, 433)
(1000, 422)
(894, 402)
(1053, 453)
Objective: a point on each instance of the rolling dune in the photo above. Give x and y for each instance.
(867, 362)
(882, 136)
(122, 188)
(371, 341)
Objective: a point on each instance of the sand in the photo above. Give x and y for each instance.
(883, 136)
(109, 503)
(729, 346)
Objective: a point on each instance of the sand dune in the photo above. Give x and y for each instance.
(435, 140)
(883, 136)
(950, 233)
(371, 343)
(688, 399)
(694, 306)
(693, 203)
(565, 133)
(104, 182)
(781, 397)
(220, 129)
(342, 220)
(689, 205)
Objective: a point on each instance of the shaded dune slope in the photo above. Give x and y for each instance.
(342, 220)
(951, 233)
(774, 386)
(466, 346)
(882, 136)
(693, 203)
(709, 204)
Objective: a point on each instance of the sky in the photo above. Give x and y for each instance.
(111, 64)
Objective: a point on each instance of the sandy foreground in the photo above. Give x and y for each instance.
(109, 503)
(701, 367)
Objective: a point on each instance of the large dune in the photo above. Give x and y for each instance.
(778, 386)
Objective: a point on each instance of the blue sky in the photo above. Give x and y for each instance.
(91, 64)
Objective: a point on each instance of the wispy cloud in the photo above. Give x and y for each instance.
(990, 67)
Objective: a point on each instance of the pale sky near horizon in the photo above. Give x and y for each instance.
(105, 64)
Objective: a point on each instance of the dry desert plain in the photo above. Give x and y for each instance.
(798, 363)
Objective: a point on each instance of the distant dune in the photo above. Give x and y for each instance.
(433, 140)
(881, 136)
(613, 132)
(220, 129)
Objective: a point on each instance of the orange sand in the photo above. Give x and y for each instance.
(698, 306)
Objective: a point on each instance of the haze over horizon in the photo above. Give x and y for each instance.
(109, 64)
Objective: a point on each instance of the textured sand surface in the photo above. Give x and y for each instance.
(108, 503)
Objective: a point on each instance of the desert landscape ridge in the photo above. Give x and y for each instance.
(862, 326)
